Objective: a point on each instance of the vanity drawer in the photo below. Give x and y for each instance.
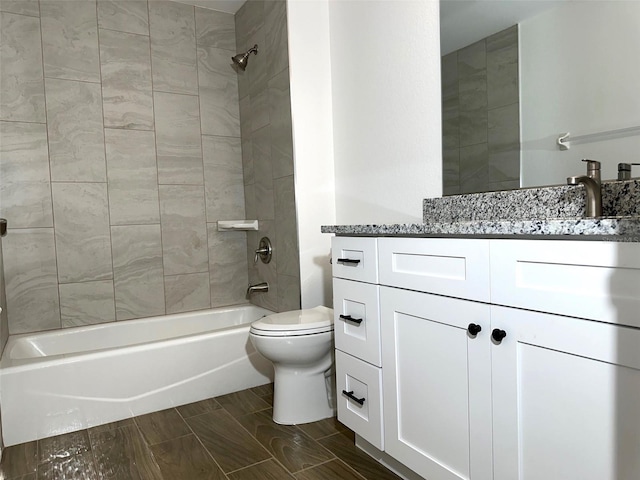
(355, 258)
(356, 310)
(453, 267)
(361, 410)
(592, 280)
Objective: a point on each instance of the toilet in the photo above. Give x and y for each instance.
(299, 343)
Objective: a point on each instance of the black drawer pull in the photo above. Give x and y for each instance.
(359, 401)
(349, 318)
(350, 261)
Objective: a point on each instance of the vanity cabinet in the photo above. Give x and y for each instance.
(505, 359)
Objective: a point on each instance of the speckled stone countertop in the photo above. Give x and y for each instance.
(551, 212)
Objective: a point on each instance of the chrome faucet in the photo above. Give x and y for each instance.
(258, 287)
(591, 182)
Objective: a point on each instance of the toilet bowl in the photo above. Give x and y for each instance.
(299, 343)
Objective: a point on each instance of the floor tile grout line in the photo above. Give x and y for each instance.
(184, 419)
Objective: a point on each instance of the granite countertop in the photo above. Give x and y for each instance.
(547, 212)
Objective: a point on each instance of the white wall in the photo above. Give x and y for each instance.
(580, 73)
(385, 72)
(310, 83)
(365, 100)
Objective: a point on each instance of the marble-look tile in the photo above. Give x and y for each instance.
(173, 47)
(245, 117)
(157, 427)
(18, 460)
(4, 318)
(87, 303)
(276, 38)
(287, 241)
(258, 64)
(280, 120)
(31, 280)
(185, 457)
(450, 190)
(288, 293)
(227, 266)
(21, 76)
(263, 172)
(504, 143)
(264, 272)
(215, 29)
(70, 40)
(178, 139)
(248, 175)
(185, 293)
(21, 7)
(250, 202)
(474, 168)
(76, 133)
(506, 185)
(472, 76)
(218, 83)
(25, 190)
(184, 231)
(83, 240)
(126, 80)
(449, 70)
(450, 124)
(451, 167)
(229, 444)
(249, 19)
(122, 453)
(502, 68)
(224, 186)
(269, 470)
(137, 271)
(259, 109)
(131, 16)
(133, 177)
(294, 450)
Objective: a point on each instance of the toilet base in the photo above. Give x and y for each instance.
(300, 396)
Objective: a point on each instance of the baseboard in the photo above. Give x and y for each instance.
(388, 461)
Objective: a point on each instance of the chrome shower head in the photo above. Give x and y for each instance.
(240, 60)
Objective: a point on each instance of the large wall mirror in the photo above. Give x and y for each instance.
(518, 74)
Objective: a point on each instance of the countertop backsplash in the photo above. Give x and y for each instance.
(619, 198)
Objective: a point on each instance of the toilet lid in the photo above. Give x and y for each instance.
(295, 322)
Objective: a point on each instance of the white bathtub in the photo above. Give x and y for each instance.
(66, 380)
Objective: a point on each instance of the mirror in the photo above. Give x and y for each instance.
(519, 74)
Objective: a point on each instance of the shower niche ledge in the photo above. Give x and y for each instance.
(237, 225)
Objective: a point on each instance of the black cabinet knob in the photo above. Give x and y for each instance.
(474, 329)
(498, 335)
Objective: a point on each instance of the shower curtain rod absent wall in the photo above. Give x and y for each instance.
(565, 139)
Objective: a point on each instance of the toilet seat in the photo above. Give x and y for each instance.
(295, 323)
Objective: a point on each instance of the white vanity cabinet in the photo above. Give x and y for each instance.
(548, 387)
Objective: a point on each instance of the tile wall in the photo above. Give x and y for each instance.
(481, 116)
(120, 149)
(267, 151)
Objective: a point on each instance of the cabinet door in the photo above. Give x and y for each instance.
(436, 384)
(566, 396)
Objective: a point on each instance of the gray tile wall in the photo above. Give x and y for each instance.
(480, 116)
(113, 181)
(267, 151)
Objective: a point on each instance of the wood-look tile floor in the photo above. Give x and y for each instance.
(231, 437)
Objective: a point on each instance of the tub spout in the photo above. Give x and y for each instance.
(258, 287)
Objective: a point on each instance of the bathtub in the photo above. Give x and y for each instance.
(71, 379)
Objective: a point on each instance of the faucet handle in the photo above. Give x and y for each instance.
(593, 169)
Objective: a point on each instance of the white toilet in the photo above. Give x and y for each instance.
(300, 345)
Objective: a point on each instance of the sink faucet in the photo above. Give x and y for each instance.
(591, 182)
(258, 287)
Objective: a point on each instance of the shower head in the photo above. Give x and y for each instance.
(240, 60)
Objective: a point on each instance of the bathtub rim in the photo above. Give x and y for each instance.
(9, 365)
